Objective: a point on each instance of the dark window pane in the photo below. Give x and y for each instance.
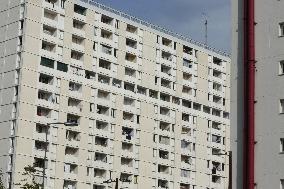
(47, 62)
(62, 67)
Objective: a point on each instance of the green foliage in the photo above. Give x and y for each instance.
(30, 173)
(1, 181)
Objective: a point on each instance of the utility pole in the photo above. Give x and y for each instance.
(110, 180)
(229, 154)
(205, 29)
(70, 124)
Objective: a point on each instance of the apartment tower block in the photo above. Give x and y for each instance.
(152, 106)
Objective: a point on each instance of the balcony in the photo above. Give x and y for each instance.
(75, 90)
(70, 171)
(103, 98)
(165, 115)
(77, 58)
(50, 18)
(100, 175)
(216, 181)
(48, 50)
(101, 142)
(69, 184)
(188, 53)
(187, 162)
(79, 28)
(133, 32)
(39, 164)
(167, 59)
(216, 128)
(46, 99)
(41, 131)
(164, 142)
(105, 67)
(49, 34)
(103, 81)
(73, 138)
(74, 106)
(164, 172)
(71, 154)
(102, 129)
(127, 165)
(216, 168)
(129, 105)
(164, 129)
(129, 120)
(132, 46)
(216, 142)
(186, 147)
(217, 64)
(103, 112)
(40, 148)
(163, 184)
(80, 13)
(184, 186)
(108, 37)
(166, 85)
(78, 43)
(188, 92)
(100, 160)
(166, 72)
(127, 134)
(167, 45)
(45, 114)
(107, 23)
(54, 6)
(108, 53)
(71, 118)
(187, 133)
(131, 60)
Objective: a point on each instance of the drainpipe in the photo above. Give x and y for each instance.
(249, 94)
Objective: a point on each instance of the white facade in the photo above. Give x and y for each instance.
(152, 107)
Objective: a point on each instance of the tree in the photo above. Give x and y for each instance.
(1, 181)
(29, 182)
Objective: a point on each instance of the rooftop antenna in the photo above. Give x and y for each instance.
(204, 15)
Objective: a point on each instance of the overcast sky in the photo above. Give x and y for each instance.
(184, 17)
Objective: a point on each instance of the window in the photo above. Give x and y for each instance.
(107, 20)
(281, 29)
(77, 55)
(282, 146)
(131, 29)
(80, 10)
(138, 119)
(281, 67)
(187, 63)
(131, 43)
(47, 62)
(62, 4)
(113, 113)
(281, 183)
(78, 24)
(77, 40)
(62, 67)
(61, 35)
(187, 50)
(106, 49)
(281, 106)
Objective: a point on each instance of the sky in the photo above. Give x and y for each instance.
(185, 17)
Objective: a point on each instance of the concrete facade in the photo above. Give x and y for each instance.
(269, 91)
(152, 107)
